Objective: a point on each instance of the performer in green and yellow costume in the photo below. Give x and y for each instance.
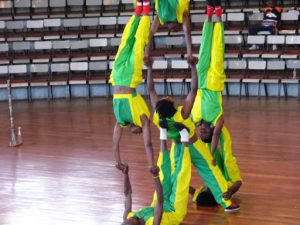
(180, 128)
(207, 112)
(130, 109)
(172, 187)
(175, 14)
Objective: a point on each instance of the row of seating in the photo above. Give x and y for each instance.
(168, 46)
(46, 26)
(30, 76)
(34, 8)
(165, 71)
(52, 41)
(64, 3)
(78, 28)
(254, 3)
(57, 3)
(167, 68)
(197, 17)
(237, 45)
(49, 6)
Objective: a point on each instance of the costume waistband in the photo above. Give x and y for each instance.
(117, 96)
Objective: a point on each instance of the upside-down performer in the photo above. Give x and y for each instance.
(130, 109)
(175, 122)
(207, 112)
(175, 14)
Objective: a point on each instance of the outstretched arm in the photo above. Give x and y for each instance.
(186, 26)
(127, 191)
(216, 136)
(147, 142)
(159, 191)
(150, 85)
(115, 145)
(148, 48)
(189, 101)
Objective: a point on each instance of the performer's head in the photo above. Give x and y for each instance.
(173, 26)
(206, 131)
(206, 198)
(165, 107)
(131, 221)
(135, 129)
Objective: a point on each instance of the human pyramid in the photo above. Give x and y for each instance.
(202, 111)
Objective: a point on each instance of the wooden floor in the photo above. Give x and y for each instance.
(64, 174)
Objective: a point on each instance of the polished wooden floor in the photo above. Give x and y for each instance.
(63, 174)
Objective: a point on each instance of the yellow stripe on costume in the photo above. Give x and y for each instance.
(197, 192)
(197, 107)
(150, 221)
(214, 169)
(172, 157)
(204, 106)
(140, 107)
(156, 9)
(141, 40)
(137, 105)
(216, 75)
(183, 7)
(182, 189)
(229, 159)
(125, 36)
(221, 113)
(131, 214)
(188, 123)
(119, 96)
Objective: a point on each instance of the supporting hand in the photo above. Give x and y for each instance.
(148, 61)
(192, 60)
(154, 170)
(123, 167)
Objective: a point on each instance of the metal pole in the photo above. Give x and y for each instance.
(15, 141)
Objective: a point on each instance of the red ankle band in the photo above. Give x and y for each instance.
(138, 9)
(146, 7)
(209, 10)
(218, 11)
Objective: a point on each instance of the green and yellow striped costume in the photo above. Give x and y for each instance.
(200, 156)
(228, 162)
(211, 75)
(128, 66)
(208, 103)
(172, 131)
(171, 10)
(175, 189)
(127, 71)
(225, 161)
(128, 109)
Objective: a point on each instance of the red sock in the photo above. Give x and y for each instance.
(139, 7)
(146, 7)
(218, 11)
(209, 10)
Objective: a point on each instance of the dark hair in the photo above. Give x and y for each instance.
(211, 127)
(206, 198)
(165, 108)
